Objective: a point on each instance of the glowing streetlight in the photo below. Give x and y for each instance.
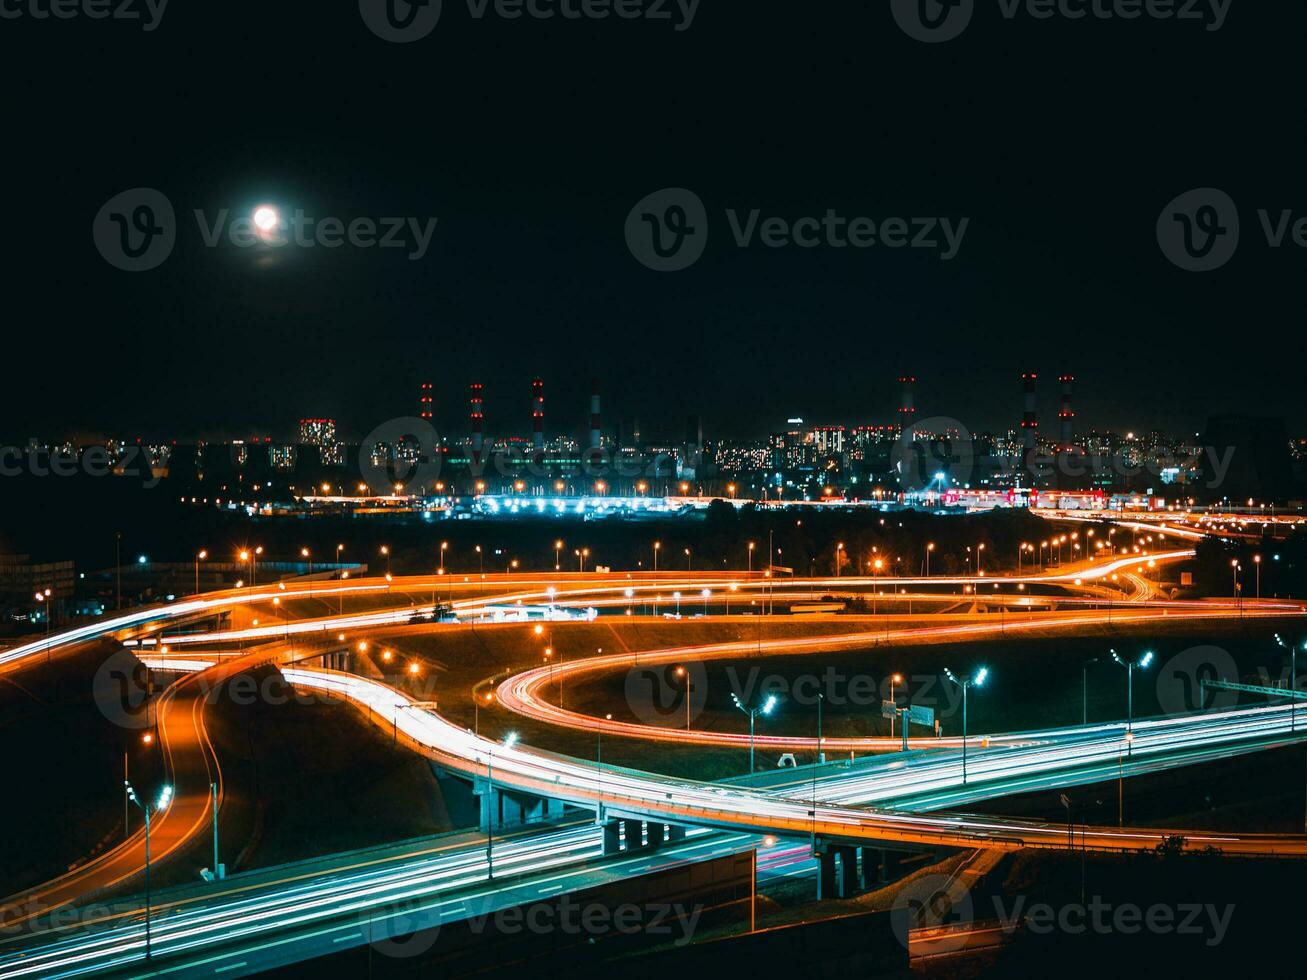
(978, 679)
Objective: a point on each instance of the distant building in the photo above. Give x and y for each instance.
(317, 432)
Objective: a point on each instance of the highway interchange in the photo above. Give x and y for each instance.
(891, 798)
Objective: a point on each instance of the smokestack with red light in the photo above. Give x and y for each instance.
(478, 420)
(428, 394)
(1067, 416)
(1030, 420)
(538, 415)
(595, 439)
(908, 404)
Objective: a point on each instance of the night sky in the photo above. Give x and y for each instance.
(531, 141)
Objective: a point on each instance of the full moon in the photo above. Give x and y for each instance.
(265, 218)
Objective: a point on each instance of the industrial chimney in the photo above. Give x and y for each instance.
(426, 410)
(595, 438)
(908, 403)
(1067, 416)
(538, 415)
(1030, 419)
(478, 420)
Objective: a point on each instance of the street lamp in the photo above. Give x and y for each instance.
(839, 553)
(689, 685)
(385, 550)
(929, 548)
(894, 679)
(44, 598)
(508, 743)
(307, 554)
(978, 679)
(558, 555)
(1130, 665)
(657, 547)
(765, 708)
(160, 804)
(1293, 680)
(199, 557)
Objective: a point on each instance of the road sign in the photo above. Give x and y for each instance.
(921, 715)
(888, 709)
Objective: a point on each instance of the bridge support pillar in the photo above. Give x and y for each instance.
(847, 882)
(632, 835)
(873, 867)
(657, 834)
(826, 884)
(675, 833)
(612, 838)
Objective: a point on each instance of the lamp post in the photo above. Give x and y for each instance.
(839, 553)
(199, 557)
(1257, 564)
(488, 697)
(978, 679)
(307, 555)
(161, 803)
(44, 598)
(764, 709)
(657, 547)
(509, 742)
(894, 679)
(929, 548)
(1293, 681)
(1130, 665)
(689, 686)
(751, 547)
(689, 558)
(558, 555)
